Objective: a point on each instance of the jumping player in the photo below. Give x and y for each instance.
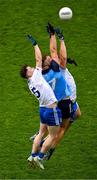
(50, 114)
(76, 113)
(75, 110)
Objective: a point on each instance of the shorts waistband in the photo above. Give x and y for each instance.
(53, 105)
(66, 98)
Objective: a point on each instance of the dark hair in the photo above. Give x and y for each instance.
(23, 71)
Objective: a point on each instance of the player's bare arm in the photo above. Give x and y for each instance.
(63, 52)
(38, 54)
(53, 43)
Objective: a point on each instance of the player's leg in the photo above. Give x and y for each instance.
(42, 141)
(37, 141)
(61, 132)
(65, 106)
(53, 118)
(52, 130)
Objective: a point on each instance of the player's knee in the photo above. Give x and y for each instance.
(41, 134)
(52, 137)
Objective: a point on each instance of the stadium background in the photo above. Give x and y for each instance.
(76, 156)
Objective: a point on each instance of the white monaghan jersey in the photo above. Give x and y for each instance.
(70, 82)
(41, 89)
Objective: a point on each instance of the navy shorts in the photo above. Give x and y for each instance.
(50, 116)
(65, 106)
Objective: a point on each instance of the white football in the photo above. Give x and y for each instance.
(65, 13)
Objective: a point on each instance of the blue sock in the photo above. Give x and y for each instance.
(41, 155)
(34, 154)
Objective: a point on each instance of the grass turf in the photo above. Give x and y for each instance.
(76, 156)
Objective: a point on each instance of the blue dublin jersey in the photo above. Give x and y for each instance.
(56, 80)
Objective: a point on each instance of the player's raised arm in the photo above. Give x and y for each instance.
(63, 52)
(53, 43)
(38, 55)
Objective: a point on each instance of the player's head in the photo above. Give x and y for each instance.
(46, 60)
(26, 71)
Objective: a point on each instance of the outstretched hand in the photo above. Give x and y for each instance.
(50, 29)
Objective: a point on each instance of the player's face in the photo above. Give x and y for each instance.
(46, 63)
(30, 71)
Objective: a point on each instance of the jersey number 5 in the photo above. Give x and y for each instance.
(35, 92)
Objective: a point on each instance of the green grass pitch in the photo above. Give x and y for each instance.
(76, 156)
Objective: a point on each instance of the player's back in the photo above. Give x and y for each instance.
(70, 82)
(56, 80)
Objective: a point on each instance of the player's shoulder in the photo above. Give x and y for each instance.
(39, 69)
(36, 75)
